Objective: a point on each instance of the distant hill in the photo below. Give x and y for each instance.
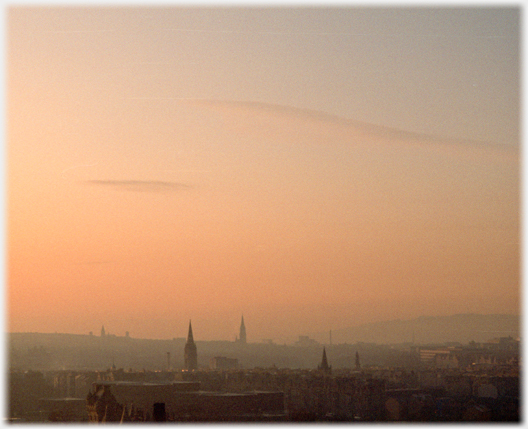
(461, 328)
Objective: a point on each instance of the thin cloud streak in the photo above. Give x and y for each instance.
(318, 115)
(141, 185)
(413, 35)
(77, 31)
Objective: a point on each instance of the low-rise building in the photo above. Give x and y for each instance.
(179, 401)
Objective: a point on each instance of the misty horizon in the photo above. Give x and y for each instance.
(349, 334)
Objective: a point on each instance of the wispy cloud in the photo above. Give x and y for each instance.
(77, 31)
(369, 130)
(141, 185)
(372, 35)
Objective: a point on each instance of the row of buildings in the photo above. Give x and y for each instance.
(451, 383)
(278, 394)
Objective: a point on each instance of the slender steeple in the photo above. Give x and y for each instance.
(242, 332)
(324, 364)
(190, 338)
(102, 331)
(190, 356)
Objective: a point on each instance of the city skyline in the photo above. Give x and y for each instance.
(308, 168)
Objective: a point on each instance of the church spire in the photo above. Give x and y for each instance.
(190, 354)
(324, 364)
(242, 331)
(190, 338)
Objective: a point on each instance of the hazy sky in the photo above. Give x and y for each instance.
(309, 168)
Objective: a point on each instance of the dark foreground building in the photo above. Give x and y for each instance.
(122, 401)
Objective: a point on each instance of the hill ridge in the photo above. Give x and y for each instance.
(460, 327)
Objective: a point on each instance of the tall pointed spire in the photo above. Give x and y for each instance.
(324, 364)
(190, 356)
(242, 331)
(190, 334)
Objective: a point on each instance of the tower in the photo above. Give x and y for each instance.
(358, 365)
(242, 332)
(102, 331)
(190, 356)
(324, 364)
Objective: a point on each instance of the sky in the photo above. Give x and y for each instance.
(309, 168)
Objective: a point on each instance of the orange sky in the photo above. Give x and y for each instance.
(151, 182)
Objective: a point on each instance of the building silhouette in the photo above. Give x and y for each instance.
(183, 401)
(102, 331)
(190, 356)
(242, 338)
(324, 363)
(222, 363)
